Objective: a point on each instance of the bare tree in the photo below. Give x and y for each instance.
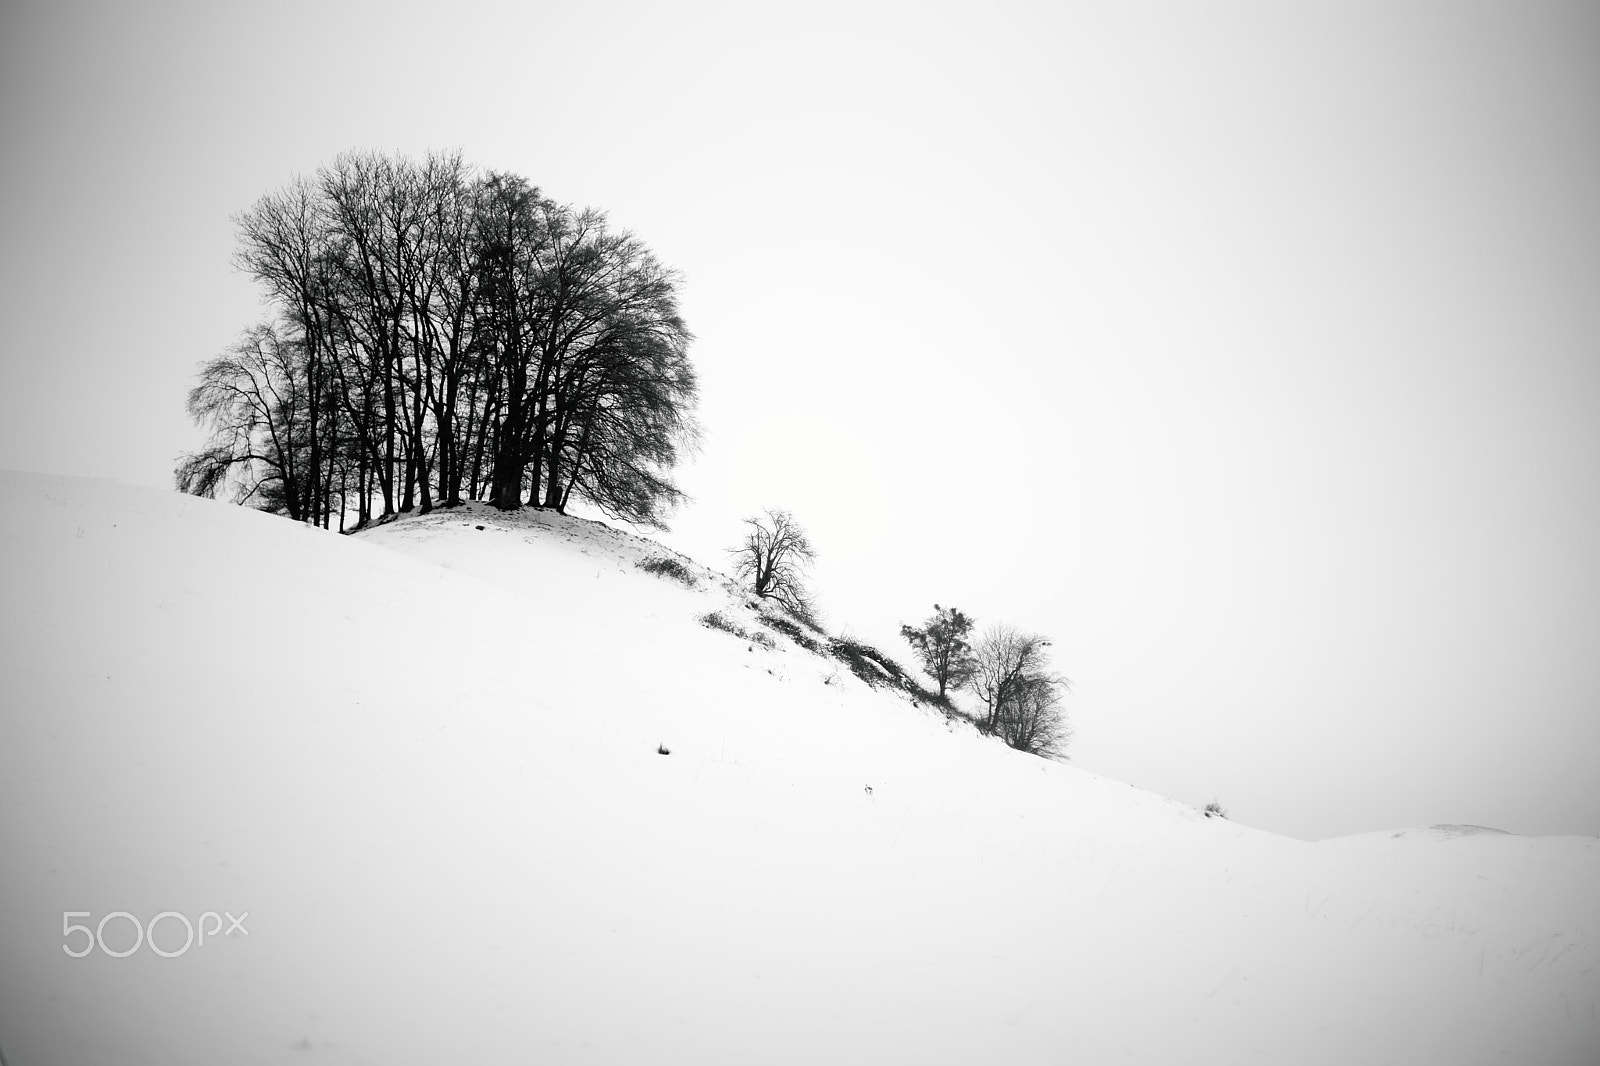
(774, 558)
(1021, 695)
(283, 245)
(1033, 720)
(253, 400)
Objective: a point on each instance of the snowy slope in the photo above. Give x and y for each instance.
(424, 760)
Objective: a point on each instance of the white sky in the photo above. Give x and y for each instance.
(1249, 351)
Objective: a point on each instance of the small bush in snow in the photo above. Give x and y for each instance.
(668, 567)
(1214, 810)
(718, 620)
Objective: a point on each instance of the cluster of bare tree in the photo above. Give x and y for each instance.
(443, 335)
(1008, 669)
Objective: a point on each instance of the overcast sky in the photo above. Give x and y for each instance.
(1251, 352)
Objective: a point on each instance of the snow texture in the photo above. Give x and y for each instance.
(425, 760)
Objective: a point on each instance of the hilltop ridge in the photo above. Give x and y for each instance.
(521, 552)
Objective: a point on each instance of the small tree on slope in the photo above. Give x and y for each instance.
(773, 558)
(1020, 693)
(941, 644)
(1033, 721)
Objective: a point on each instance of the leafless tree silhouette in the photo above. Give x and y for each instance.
(774, 558)
(1021, 694)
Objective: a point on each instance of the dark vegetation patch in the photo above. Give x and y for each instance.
(782, 623)
(865, 661)
(665, 566)
(880, 671)
(718, 620)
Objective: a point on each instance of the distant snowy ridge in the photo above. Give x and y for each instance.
(1445, 832)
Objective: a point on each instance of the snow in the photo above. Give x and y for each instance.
(424, 760)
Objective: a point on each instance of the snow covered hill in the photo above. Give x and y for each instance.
(421, 769)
